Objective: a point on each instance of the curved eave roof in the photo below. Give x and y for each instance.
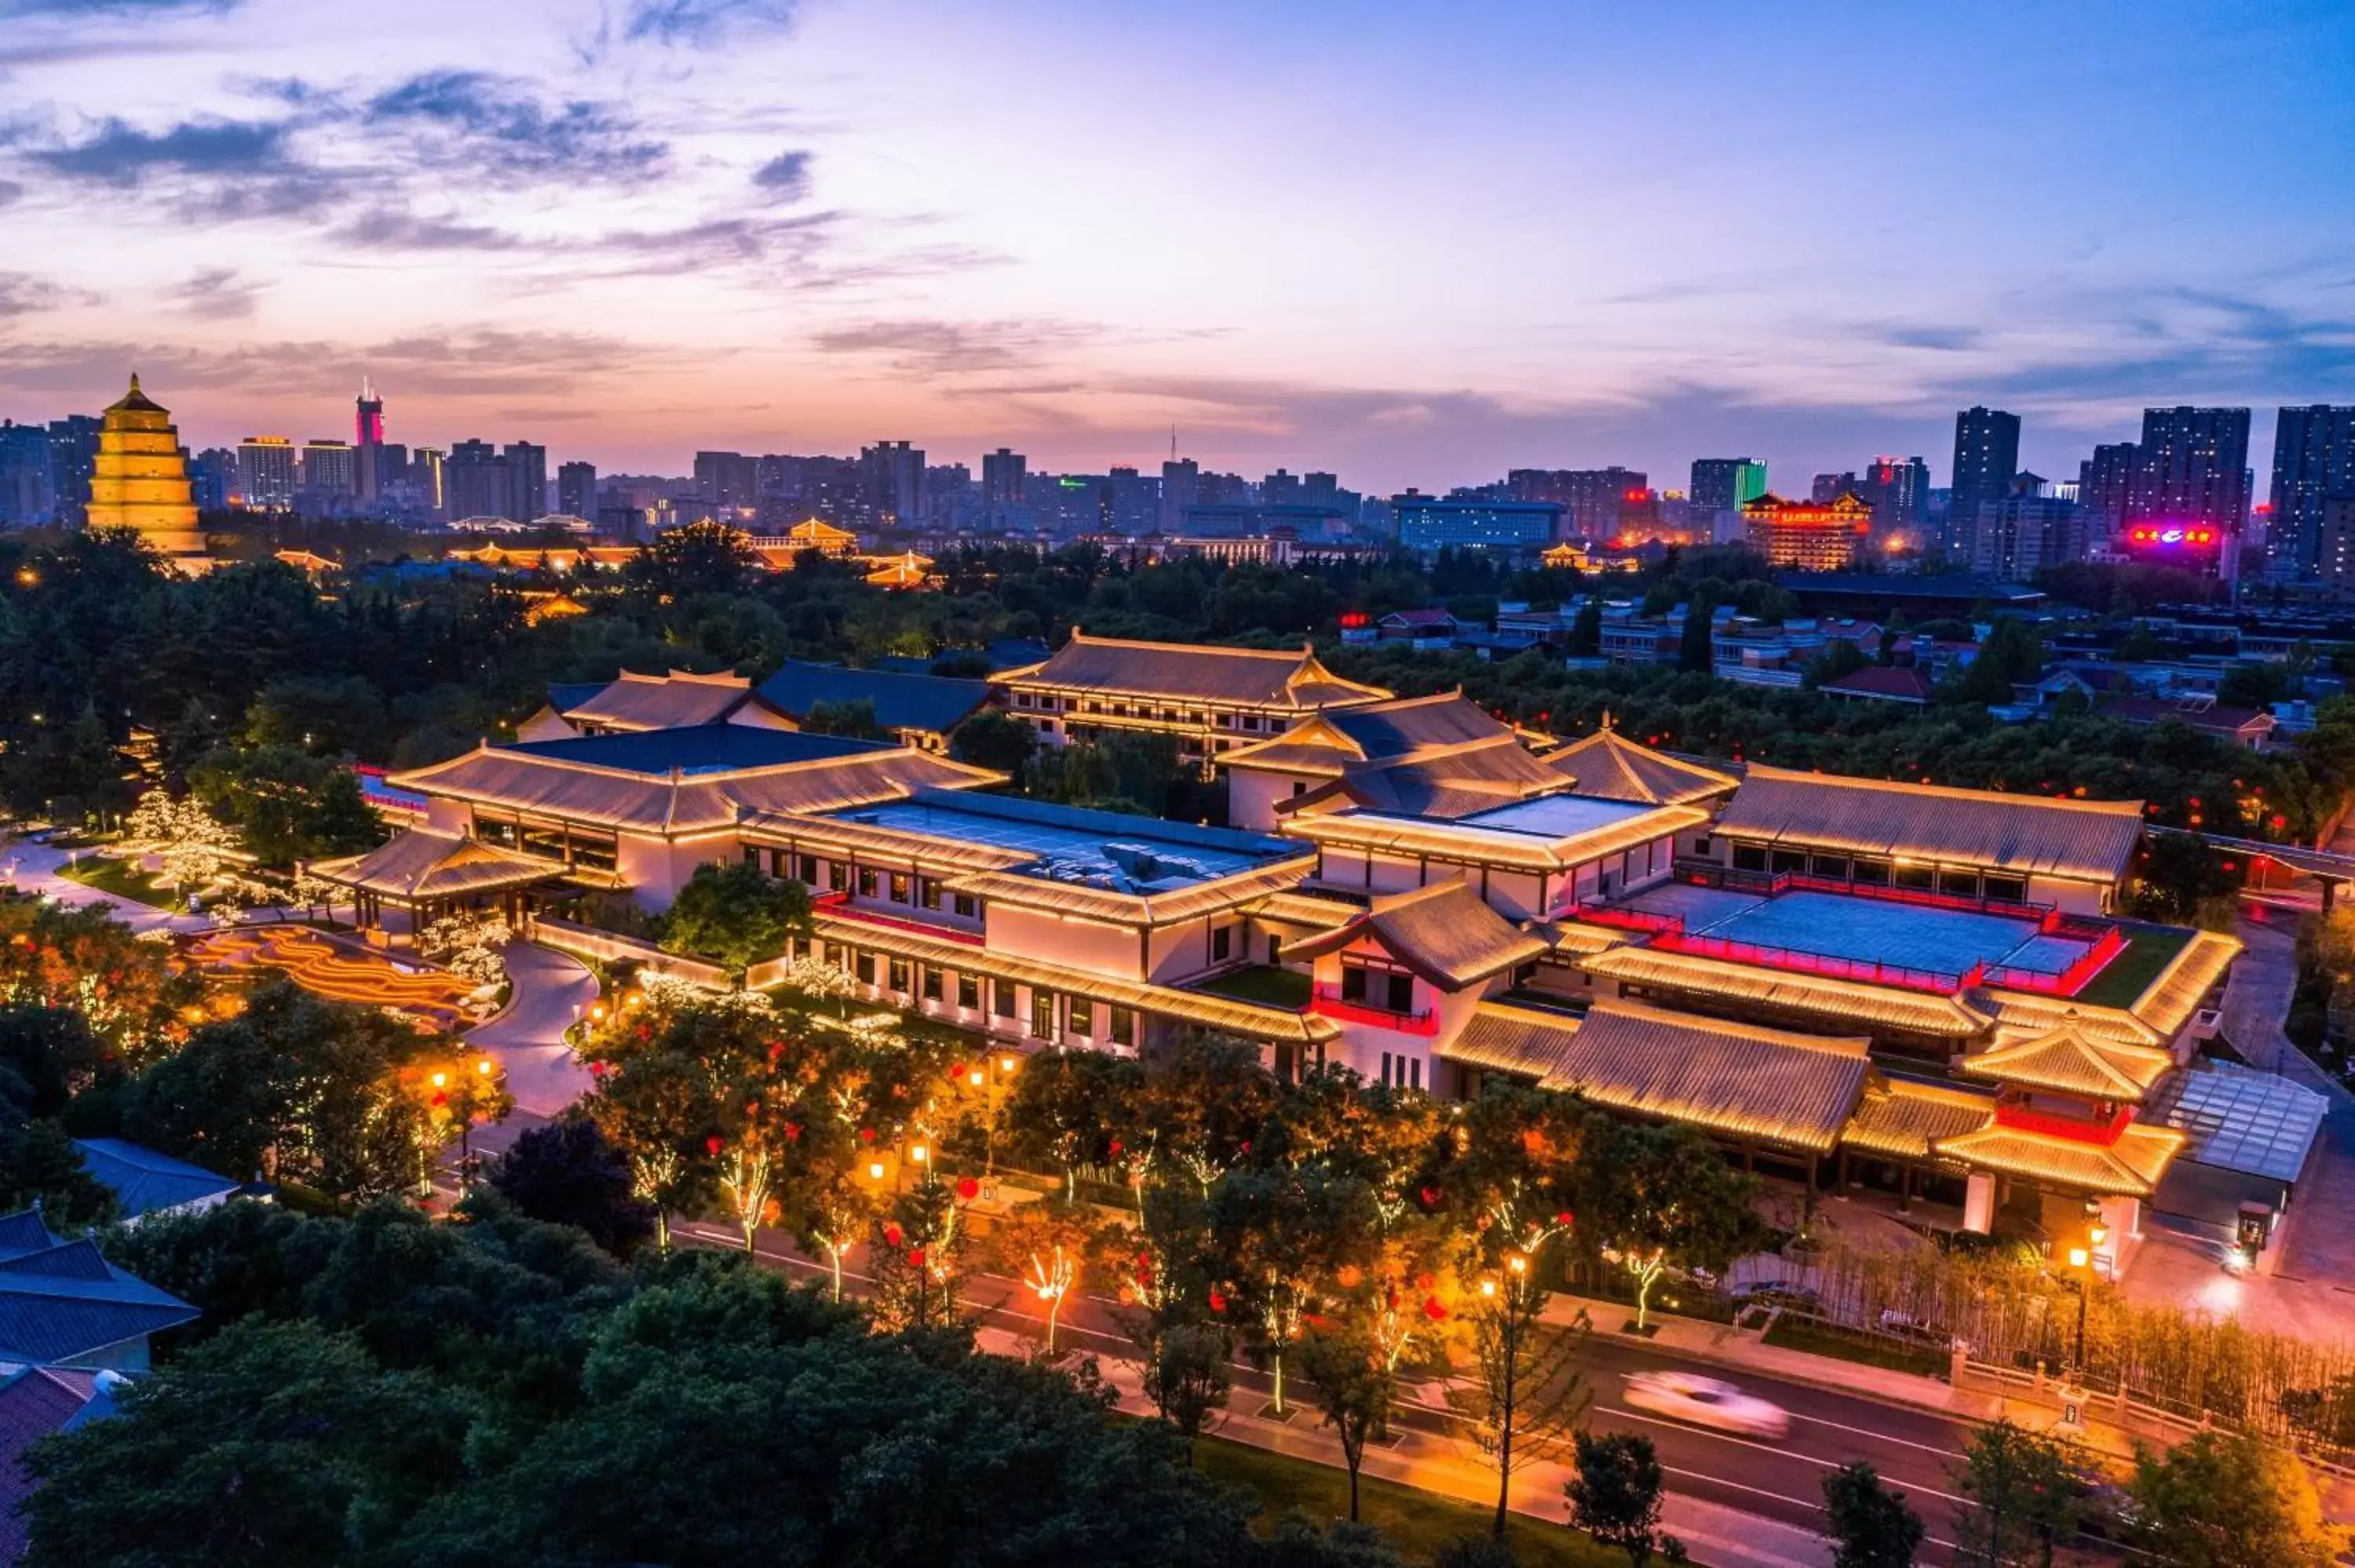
(1052, 897)
(1842, 1002)
(1608, 765)
(1476, 845)
(2130, 1168)
(1444, 933)
(2068, 1061)
(2178, 991)
(420, 864)
(1901, 1118)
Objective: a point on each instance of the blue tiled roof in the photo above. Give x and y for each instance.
(60, 1300)
(694, 748)
(901, 701)
(143, 1181)
(566, 695)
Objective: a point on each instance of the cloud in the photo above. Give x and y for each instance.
(785, 177)
(21, 294)
(10, 192)
(129, 10)
(1951, 340)
(701, 23)
(119, 153)
(215, 293)
(958, 348)
(394, 229)
(500, 129)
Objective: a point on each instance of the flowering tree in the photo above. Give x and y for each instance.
(820, 981)
(191, 845)
(1043, 1245)
(469, 944)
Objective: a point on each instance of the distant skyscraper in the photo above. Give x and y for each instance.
(729, 481)
(1002, 472)
(425, 472)
(265, 473)
(368, 443)
(330, 469)
(2335, 559)
(576, 490)
(212, 476)
(2191, 471)
(29, 495)
(73, 458)
(527, 495)
(475, 482)
(1898, 490)
(1986, 457)
(893, 475)
(2103, 482)
(1829, 487)
(2027, 531)
(1595, 495)
(1280, 489)
(2314, 459)
(1181, 490)
(1725, 484)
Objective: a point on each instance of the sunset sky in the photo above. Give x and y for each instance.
(1415, 243)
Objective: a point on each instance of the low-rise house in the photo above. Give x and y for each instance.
(632, 704)
(1882, 683)
(2249, 728)
(145, 1182)
(1422, 627)
(63, 1305)
(35, 1401)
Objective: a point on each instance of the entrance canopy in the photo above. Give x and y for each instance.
(421, 867)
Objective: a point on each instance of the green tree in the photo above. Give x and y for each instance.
(276, 1445)
(736, 914)
(2221, 1500)
(1068, 1107)
(2012, 653)
(1282, 1236)
(1870, 1524)
(1529, 1394)
(39, 1164)
(2028, 1493)
(995, 740)
(1353, 1385)
(1187, 1376)
(1668, 1199)
(1586, 628)
(1695, 653)
(1614, 1496)
(854, 717)
(566, 1173)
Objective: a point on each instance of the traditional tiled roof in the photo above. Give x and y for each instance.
(33, 1403)
(1607, 764)
(583, 782)
(1250, 677)
(2167, 1005)
(1290, 908)
(1168, 908)
(934, 704)
(1440, 781)
(2129, 1168)
(2020, 1015)
(635, 701)
(1903, 1117)
(2068, 1060)
(878, 845)
(1325, 743)
(143, 1181)
(1734, 1079)
(1444, 933)
(420, 863)
(1472, 843)
(1884, 683)
(2026, 834)
(1837, 1003)
(1249, 1020)
(1575, 938)
(62, 1301)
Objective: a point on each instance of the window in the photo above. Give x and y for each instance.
(1081, 1019)
(491, 831)
(1870, 873)
(752, 855)
(1123, 1027)
(899, 888)
(2013, 889)
(928, 892)
(1398, 995)
(1223, 943)
(1004, 998)
(1299, 787)
(596, 850)
(1274, 948)
(1042, 1013)
(1353, 983)
(1831, 865)
(931, 983)
(1962, 883)
(898, 972)
(837, 875)
(969, 994)
(1749, 857)
(1701, 844)
(805, 868)
(967, 906)
(867, 882)
(1788, 860)
(863, 966)
(1922, 879)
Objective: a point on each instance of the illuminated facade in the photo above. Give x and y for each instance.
(141, 479)
(1812, 536)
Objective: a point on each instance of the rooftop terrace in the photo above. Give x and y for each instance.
(1105, 849)
(694, 749)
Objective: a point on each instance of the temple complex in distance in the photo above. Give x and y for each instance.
(141, 480)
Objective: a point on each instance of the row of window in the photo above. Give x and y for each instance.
(1866, 871)
(1272, 724)
(1082, 1016)
(554, 841)
(917, 892)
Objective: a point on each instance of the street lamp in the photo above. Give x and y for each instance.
(2081, 1261)
(875, 1171)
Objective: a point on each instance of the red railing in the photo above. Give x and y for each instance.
(1629, 919)
(1328, 1002)
(2068, 982)
(1767, 884)
(835, 904)
(1799, 960)
(2075, 1129)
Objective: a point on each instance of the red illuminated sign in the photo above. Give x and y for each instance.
(2171, 533)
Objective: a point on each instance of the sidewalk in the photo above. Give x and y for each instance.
(551, 992)
(1983, 1401)
(1715, 1535)
(38, 869)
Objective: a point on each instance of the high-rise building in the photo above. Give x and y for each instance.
(330, 470)
(1829, 487)
(29, 495)
(1002, 475)
(2335, 560)
(576, 490)
(1472, 522)
(368, 442)
(2029, 529)
(475, 482)
(893, 473)
(139, 480)
(1814, 536)
(729, 481)
(425, 473)
(1181, 490)
(2190, 494)
(1280, 488)
(2314, 459)
(1595, 495)
(265, 473)
(2103, 482)
(1986, 457)
(73, 459)
(1724, 484)
(212, 479)
(526, 480)
(1898, 490)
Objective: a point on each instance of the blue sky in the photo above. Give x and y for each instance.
(1418, 243)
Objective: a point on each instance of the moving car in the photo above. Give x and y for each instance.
(1706, 1402)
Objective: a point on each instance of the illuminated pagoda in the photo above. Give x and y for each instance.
(139, 481)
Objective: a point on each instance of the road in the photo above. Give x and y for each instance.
(1915, 1451)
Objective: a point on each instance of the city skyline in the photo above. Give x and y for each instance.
(1304, 240)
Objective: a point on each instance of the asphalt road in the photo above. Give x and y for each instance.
(1915, 1450)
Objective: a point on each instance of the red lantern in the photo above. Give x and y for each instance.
(956, 1069)
(893, 1234)
(968, 1188)
(1115, 1146)
(1218, 1302)
(713, 1145)
(1430, 1196)
(915, 1258)
(1434, 1310)
(866, 1135)
(1562, 1219)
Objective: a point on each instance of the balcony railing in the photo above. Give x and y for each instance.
(1327, 1000)
(839, 906)
(1767, 884)
(1800, 960)
(1626, 919)
(2068, 982)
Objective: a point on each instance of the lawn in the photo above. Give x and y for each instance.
(1798, 1334)
(1421, 1522)
(119, 877)
(2124, 978)
(1268, 987)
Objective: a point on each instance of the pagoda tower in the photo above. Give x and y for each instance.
(141, 480)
